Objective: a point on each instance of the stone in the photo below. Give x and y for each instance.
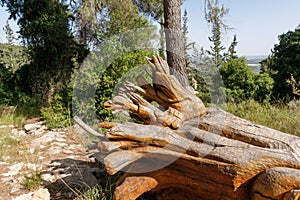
(47, 137)
(22, 133)
(33, 167)
(29, 127)
(14, 169)
(3, 163)
(41, 194)
(18, 132)
(48, 178)
(60, 144)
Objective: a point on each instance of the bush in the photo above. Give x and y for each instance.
(57, 114)
(113, 75)
(6, 89)
(242, 83)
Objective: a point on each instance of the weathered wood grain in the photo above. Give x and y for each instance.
(182, 150)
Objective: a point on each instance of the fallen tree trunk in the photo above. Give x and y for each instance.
(180, 149)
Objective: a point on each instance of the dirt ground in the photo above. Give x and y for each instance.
(67, 168)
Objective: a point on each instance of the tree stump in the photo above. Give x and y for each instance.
(180, 149)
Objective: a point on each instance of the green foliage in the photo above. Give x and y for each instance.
(96, 21)
(187, 45)
(153, 8)
(6, 94)
(44, 28)
(199, 84)
(6, 144)
(242, 83)
(112, 76)
(215, 15)
(93, 193)
(57, 114)
(9, 33)
(284, 62)
(13, 57)
(231, 54)
(32, 181)
(104, 190)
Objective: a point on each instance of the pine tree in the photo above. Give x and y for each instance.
(231, 54)
(9, 33)
(214, 15)
(185, 32)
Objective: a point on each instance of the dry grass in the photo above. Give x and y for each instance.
(281, 117)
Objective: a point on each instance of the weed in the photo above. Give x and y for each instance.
(103, 191)
(32, 181)
(6, 144)
(94, 193)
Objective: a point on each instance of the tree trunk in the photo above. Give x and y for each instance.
(182, 150)
(174, 40)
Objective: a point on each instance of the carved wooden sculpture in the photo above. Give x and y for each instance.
(183, 150)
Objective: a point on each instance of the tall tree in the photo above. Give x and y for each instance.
(45, 30)
(9, 33)
(171, 11)
(231, 54)
(284, 62)
(174, 40)
(185, 31)
(214, 15)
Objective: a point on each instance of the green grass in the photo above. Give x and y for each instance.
(17, 115)
(7, 145)
(104, 190)
(32, 181)
(285, 118)
(94, 193)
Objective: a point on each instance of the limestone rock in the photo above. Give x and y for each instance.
(41, 194)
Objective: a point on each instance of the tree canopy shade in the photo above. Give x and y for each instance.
(284, 62)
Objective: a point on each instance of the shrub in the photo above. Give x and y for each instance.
(242, 83)
(58, 113)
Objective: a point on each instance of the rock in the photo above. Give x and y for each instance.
(14, 169)
(68, 151)
(18, 133)
(30, 127)
(33, 167)
(48, 178)
(41, 194)
(49, 137)
(60, 144)
(3, 163)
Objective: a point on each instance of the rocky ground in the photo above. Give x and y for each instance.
(64, 165)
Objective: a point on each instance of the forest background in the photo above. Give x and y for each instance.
(40, 77)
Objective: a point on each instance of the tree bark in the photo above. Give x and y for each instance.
(174, 40)
(182, 150)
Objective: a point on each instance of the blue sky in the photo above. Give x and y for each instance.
(257, 23)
